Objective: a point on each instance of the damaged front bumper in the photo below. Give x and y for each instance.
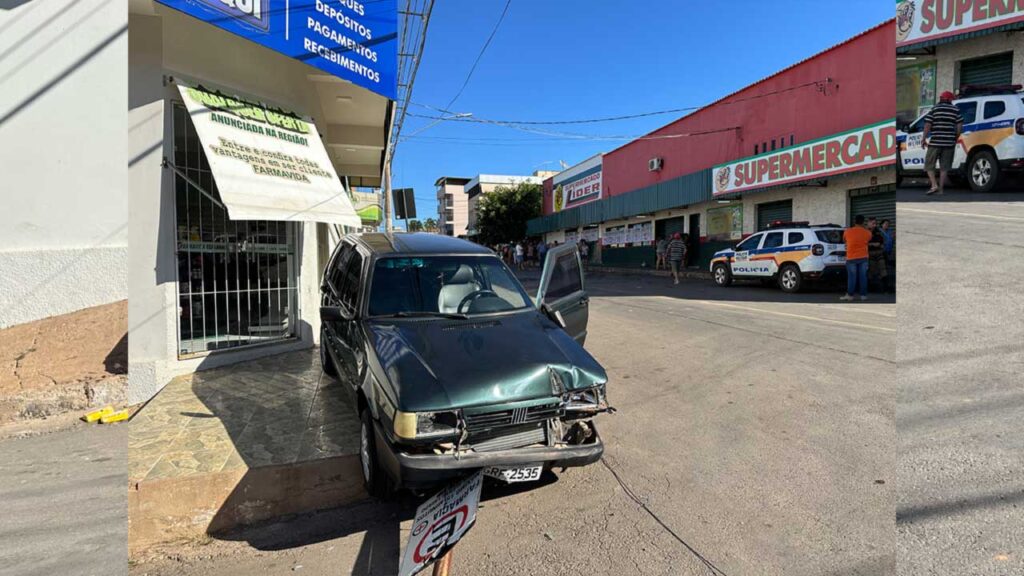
(418, 471)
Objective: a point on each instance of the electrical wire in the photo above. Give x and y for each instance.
(480, 55)
(640, 502)
(446, 109)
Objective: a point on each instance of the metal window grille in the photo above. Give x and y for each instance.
(237, 279)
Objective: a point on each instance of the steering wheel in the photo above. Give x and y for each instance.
(473, 297)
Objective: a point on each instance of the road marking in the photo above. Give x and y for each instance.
(968, 214)
(787, 314)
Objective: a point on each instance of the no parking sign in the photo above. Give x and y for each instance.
(440, 523)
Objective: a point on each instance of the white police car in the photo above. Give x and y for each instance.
(992, 142)
(787, 252)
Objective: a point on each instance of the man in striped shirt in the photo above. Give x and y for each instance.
(676, 252)
(942, 128)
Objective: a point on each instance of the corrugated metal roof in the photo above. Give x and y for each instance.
(689, 189)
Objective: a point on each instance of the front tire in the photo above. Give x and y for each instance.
(790, 278)
(722, 275)
(374, 479)
(983, 171)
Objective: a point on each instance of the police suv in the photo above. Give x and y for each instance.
(788, 253)
(992, 142)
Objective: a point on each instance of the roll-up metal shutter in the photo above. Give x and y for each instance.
(769, 212)
(874, 202)
(996, 69)
(666, 228)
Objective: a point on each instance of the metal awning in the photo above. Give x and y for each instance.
(268, 164)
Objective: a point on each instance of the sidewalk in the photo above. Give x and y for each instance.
(236, 445)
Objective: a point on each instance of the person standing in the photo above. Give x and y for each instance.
(542, 251)
(878, 271)
(519, 255)
(942, 128)
(676, 252)
(584, 252)
(659, 250)
(856, 238)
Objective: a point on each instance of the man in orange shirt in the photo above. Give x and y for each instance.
(856, 238)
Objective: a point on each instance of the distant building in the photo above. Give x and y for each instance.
(452, 206)
(484, 183)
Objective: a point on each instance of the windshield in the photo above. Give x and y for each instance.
(832, 236)
(444, 285)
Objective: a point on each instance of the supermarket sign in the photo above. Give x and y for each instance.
(921, 20)
(858, 149)
(577, 185)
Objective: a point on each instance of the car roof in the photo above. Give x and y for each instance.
(385, 244)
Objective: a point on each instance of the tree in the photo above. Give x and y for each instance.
(501, 215)
(430, 225)
(415, 226)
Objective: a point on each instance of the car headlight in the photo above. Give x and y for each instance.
(425, 425)
(587, 399)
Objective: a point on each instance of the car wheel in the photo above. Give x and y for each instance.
(983, 171)
(326, 362)
(374, 479)
(790, 278)
(722, 275)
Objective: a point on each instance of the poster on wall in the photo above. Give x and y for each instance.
(922, 20)
(355, 41)
(268, 164)
(725, 223)
(591, 234)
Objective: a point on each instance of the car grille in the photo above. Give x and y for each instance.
(506, 429)
(508, 438)
(476, 423)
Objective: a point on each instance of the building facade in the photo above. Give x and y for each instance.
(229, 239)
(64, 222)
(484, 183)
(452, 206)
(944, 45)
(814, 142)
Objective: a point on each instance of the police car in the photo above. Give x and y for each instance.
(992, 142)
(788, 253)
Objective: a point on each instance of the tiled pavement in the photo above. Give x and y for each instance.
(277, 410)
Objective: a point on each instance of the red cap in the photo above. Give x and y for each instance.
(946, 96)
(677, 236)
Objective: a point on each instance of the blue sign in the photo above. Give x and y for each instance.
(353, 40)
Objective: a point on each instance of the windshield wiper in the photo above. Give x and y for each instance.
(426, 314)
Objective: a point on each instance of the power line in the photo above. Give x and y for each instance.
(446, 110)
(481, 54)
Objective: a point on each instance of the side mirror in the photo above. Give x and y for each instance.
(334, 314)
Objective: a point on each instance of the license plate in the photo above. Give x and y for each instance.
(515, 474)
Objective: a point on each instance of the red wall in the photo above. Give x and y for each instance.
(863, 72)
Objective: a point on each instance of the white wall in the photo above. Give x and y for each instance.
(63, 226)
(949, 55)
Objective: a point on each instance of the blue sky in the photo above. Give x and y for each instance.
(571, 59)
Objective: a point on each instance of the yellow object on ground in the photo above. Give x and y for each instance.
(115, 417)
(95, 415)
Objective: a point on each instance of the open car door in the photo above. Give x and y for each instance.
(561, 295)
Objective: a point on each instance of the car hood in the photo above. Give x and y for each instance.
(440, 364)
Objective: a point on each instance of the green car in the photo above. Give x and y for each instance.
(453, 367)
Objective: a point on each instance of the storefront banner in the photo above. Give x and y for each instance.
(268, 164)
(591, 234)
(858, 149)
(922, 20)
(355, 41)
(572, 193)
(368, 207)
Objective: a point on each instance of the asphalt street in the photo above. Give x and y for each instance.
(960, 402)
(755, 428)
(64, 503)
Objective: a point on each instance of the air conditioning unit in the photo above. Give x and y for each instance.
(654, 164)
